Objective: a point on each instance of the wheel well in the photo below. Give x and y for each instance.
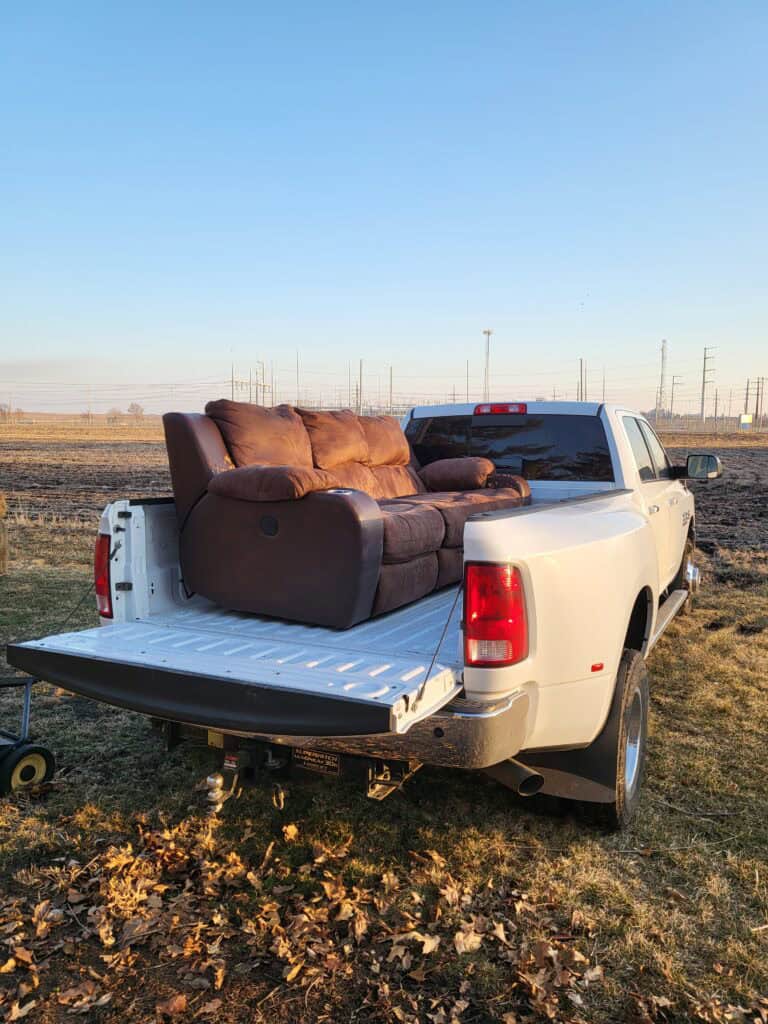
(639, 621)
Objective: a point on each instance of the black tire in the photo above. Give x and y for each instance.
(680, 582)
(28, 764)
(631, 743)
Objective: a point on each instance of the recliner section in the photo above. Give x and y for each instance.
(319, 517)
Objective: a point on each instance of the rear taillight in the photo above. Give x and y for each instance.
(500, 408)
(495, 625)
(101, 576)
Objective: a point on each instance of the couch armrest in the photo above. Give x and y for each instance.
(316, 560)
(196, 453)
(518, 483)
(467, 474)
(270, 483)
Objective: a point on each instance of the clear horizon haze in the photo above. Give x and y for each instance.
(192, 187)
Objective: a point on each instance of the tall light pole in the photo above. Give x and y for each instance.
(487, 373)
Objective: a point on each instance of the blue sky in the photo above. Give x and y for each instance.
(187, 185)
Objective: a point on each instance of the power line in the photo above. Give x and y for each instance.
(705, 379)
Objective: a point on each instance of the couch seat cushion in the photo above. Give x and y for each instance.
(457, 506)
(410, 530)
(255, 435)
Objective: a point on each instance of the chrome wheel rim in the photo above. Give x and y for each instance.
(634, 742)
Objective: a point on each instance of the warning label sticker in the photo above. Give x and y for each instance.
(317, 760)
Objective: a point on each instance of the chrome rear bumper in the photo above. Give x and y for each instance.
(464, 734)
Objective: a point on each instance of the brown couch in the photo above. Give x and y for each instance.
(320, 517)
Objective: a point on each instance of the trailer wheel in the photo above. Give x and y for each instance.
(28, 764)
(631, 741)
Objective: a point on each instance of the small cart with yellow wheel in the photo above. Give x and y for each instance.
(23, 763)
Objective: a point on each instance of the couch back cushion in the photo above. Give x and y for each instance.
(336, 437)
(387, 444)
(396, 482)
(256, 435)
(355, 475)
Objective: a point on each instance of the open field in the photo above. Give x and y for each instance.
(450, 902)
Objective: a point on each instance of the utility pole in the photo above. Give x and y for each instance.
(585, 382)
(716, 393)
(487, 375)
(730, 403)
(349, 384)
(758, 389)
(676, 379)
(746, 397)
(580, 388)
(250, 386)
(662, 394)
(360, 391)
(705, 379)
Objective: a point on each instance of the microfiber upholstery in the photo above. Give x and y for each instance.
(322, 517)
(271, 483)
(255, 435)
(335, 437)
(410, 530)
(457, 506)
(457, 474)
(395, 482)
(356, 475)
(387, 444)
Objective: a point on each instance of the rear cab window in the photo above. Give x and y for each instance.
(544, 446)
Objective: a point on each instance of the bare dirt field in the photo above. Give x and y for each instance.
(73, 473)
(450, 903)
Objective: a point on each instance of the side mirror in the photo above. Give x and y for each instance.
(703, 467)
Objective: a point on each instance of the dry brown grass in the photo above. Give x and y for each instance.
(675, 911)
(741, 439)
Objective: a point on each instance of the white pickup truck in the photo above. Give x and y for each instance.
(593, 570)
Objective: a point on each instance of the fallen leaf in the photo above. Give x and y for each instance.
(173, 1006)
(290, 833)
(467, 942)
(8, 966)
(16, 1011)
(289, 973)
(208, 1008)
(72, 995)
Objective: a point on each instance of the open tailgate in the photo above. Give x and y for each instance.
(222, 670)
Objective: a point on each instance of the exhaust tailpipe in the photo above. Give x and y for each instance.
(516, 776)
